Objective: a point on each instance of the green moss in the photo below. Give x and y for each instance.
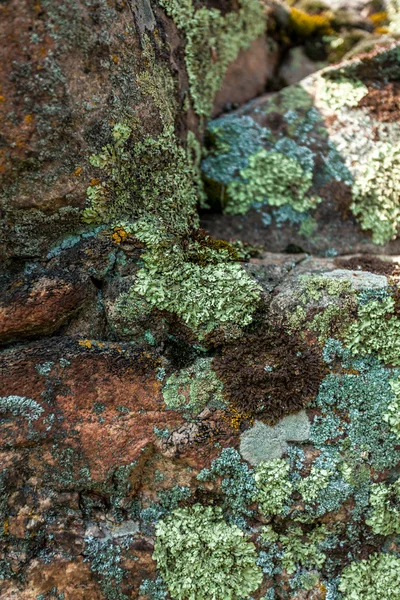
(376, 192)
(377, 329)
(271, 178)
(193, 388)
(273, 486)
(385, 500)
(200, 556)
(376, 577)
(213, 41)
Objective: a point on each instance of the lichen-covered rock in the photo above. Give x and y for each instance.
(315, 165)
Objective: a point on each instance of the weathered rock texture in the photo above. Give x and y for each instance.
(181, 416)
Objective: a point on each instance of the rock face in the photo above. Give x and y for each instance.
(183, 416)
(314, 166)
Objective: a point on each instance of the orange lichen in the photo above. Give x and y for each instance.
(379, 18)
(119, 235)
(78, 171)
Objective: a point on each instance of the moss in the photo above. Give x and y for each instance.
(269, 373)
(193, 389)
(213, 41)
(376, 192)
(376, 577)
(271, 178)
(273, 486)
(385, 502)
(377, 329)
(200, 556)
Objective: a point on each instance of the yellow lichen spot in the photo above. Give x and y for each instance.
(305, 25)
(78, 171)
(2, 99)
(119, 235)
(115, 59)
(6, 527)
(235, 418)
(381, 30)
(28, 119)
(94, 181)
(85, 343)
(379, 18)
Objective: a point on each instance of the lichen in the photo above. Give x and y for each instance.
(385, 502)
(273, 486)
(213, 41)
(194, 388)
(274, 179)
(372, 578)
(20, 405)
(377, 329)
(200, 556)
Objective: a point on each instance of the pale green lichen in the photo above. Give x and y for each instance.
(273, 486)
(376, 192)
(213, 41)
(392, 415)
(201, 557)
(194, 388)
(311, 486)
(385, 500)
(377, 329)
(151, 177)
(373, 578)
(274, 179)
(207, 296)
(340, 92)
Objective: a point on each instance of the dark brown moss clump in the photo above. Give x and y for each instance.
(269, 373)
(373, 264)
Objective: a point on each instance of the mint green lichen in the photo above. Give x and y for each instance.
(311, 486)
(273, 486)
(340, 92)
(300, 549)
(193, 388)
(385, 500)
(271, 178)
(213, 41)
(204, 296)
(373, 578)
(377, 329)
(376, 192)
(150, 177)
(392, 415)
(201, 557)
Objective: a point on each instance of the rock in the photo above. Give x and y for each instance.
(297, 66)
(248, 75)
(306, 138)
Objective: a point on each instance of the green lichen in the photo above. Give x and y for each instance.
(213, 41)
(385, 500)
(376, 577)
(271, 178)
(20, 405)
(150, 177)
(311, 486)
(200, 556)
(376, 192)
(301, 549)
(392, 415)
(340, 92)
(273, 486)
(204, 296)
(193, 388)
(377, 329)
